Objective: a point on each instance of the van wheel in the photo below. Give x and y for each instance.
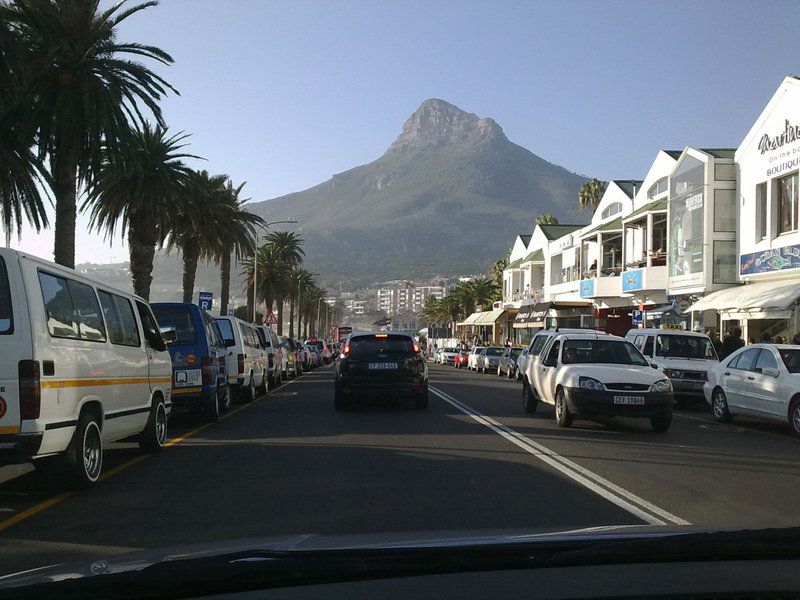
(249, 392)
(529, 401)
(154, 435)
(262, 389)
(225, 397)
(86, 452)
(563, 416)
(212, 409)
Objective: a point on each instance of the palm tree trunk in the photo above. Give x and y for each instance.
(291, 317)
(65, 167)
(225, 280)
(142, 248)
(280, 316)
(191, 254)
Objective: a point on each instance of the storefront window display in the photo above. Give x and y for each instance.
(686, 205)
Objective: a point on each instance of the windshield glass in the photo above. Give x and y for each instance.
(685, 346)
(178, 318)
(494, 351)
(791, 358)
(515, 352)
(368, 346)
(602, 352)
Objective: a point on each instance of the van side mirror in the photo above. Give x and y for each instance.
(229, 343)
(169, 334)
(770, 372)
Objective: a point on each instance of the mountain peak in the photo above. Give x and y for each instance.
(439, 123)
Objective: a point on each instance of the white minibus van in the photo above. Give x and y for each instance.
(246, 360)
(82, 364)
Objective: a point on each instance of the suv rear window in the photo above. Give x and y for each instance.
(179, 318)
(371, 345)
(6, 316)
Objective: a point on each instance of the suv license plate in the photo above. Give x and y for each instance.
(382, 366)
(628, 399)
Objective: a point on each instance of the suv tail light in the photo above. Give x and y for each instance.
(30, 389)
(240, 362)
(206, 364)
(346, 349)
(416, 347)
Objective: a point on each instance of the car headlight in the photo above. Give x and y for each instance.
(673, 373)
(589, 383)
(661, 386)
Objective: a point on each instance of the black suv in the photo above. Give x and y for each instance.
(380, 364)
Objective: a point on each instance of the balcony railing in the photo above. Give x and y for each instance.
(531, 294)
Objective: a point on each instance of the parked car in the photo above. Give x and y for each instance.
(437, 355)
(507, 365)
(683, 356)
(760, 380)
(313, 357)
(461, 360)
(521, 362)
(274, 350)
(489, 359)
(291, 355)
(380, 364)
(82, 364)
(301, 355)
(448, 355)
(590, 375)
(474, 355)
(246, 361)
(199, 378)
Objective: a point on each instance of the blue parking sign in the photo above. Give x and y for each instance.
(637, 317)
(205, 300)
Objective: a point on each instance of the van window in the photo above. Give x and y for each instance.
(118, 314)
(213, 336)
(248, 337)
(648, 346)
(71, 308)
(151, 331)
(262, 338)
(226, 329)
(6, 316)
(180, 319)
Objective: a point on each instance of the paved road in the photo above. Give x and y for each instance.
(288, 463)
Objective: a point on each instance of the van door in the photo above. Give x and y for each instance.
(159, 363)
(15, 345)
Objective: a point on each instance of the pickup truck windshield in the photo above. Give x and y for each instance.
(601, 351)
(685, 346)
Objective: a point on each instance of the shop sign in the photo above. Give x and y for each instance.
(681, 304)
(567, 243)
(789, 134)
(587, 287)
(774, 259)
(632, 280)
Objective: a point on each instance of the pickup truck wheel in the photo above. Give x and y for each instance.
(154, 436)
(529, 401)
(563, 416)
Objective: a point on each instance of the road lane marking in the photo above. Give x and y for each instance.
(45, 504)
(615, 494)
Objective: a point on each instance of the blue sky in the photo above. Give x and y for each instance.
(285, 94)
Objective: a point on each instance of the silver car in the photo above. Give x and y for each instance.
(490, 359)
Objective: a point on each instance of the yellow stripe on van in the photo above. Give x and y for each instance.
(6, 429)
(192, 390)
(70, 383)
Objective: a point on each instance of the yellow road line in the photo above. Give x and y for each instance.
(45, 504)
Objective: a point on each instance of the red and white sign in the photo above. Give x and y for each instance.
(270, 318)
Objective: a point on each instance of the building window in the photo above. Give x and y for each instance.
(659, 187)
(686, 225)
(725, 172)
(725, 210)
(787, 203)
(761, 210)
(611, 209)
(725, 262)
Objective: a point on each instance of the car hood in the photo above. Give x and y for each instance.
(283, 557)
(684, 364)
(616, 373)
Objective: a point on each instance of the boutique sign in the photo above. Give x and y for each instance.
(766, 261)
(790, 134)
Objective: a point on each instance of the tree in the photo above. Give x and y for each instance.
(20, 168)
(548, 219)
(287, 246)
(297, 280)
(84, 89)
(478, 292)
(497, 271)
(591, 193)
(144, 192)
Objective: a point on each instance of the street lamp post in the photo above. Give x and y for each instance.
(255, 263)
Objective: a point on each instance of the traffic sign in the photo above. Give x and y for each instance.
(231, 312)
(637, 317)
(270, 318)
(205, 300)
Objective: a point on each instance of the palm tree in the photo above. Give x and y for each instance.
(478, 292)
(236, 237)
(84, 89)
(591, 193)
(270, 276)
(497, 270)
(144, 193)
(548, 219)
(289, 252)
(20, 168)
(298, 279)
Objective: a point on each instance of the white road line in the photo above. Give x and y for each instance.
(626, 500)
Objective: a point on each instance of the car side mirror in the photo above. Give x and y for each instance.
(169, 334)
(230, 343)
(770, 371)
(653, 365)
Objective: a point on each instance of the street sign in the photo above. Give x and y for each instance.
(205, 300)
(231, 312)
(270, 318)
(637, 317)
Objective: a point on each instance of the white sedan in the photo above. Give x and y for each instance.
(760, 380)
(474, 357)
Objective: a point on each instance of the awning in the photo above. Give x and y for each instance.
(751, 297)
(657, 206)
(489, 317)
(532, 314)
(535, 256)
(660, 311)
(470, 320)
(611, 226)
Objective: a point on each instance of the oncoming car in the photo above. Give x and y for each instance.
(378, 365)
(587, 375)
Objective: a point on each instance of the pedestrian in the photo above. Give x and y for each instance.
(796, 339)
(732, 342)
(766, 338)
(715, 341)
(778, 339)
